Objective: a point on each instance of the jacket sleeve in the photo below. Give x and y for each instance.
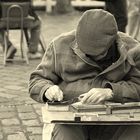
(129, 88)
(44, 76)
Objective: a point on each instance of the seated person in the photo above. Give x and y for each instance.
(34, 27)
(95, 61)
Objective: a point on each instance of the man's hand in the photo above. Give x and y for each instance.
(54, 93)
(97, 96)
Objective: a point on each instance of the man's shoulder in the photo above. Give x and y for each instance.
(65, 37)
(128, 40)
(61, 45)
(126, 37)
(133, 48)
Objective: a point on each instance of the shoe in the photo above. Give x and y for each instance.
(11, 52)
(36, 55)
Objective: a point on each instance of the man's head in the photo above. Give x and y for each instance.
(96, 32)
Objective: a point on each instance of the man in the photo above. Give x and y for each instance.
(34, 25)
(94, 61)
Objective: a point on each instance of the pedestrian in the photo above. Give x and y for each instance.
(34, 26)
(133, 28)
(94, 61)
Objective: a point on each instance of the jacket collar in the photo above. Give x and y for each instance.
(121, 46)
(82, 56)
(121, 49)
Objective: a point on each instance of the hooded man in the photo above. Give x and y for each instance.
(95, 62)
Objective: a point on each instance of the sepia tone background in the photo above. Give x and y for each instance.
(20, 116)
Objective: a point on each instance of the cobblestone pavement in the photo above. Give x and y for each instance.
(20, 116)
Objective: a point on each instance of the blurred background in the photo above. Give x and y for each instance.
(20, 116)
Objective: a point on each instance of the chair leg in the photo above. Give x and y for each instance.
(26, 58)
(5, 47)
(42, 43)
(23, 50)
(21, 44)
(26, 35)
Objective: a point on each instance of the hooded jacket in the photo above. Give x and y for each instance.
(65, 65)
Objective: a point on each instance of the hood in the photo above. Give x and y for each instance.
(96, 31)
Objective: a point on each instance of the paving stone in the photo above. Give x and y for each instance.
(24, 90)
(37, 106)
(35, 137)
(34, 130)
(6, 95)
(14, 85)
(24, 98)
(41, 119)
(19, 136)
(1, 89)
(10, 122)
(31, 122)
(1, 136)
(12, 129)
(31, 101)
(24, 108)
(7, 104)
(39, 112)
(27, 116)
(5, 115)
(14, 92)
(7, 108)
(3, 99)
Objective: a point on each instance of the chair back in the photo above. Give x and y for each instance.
(14, 10)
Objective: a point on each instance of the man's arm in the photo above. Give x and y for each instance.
(128, 89)
(125, 90)
(44, 76)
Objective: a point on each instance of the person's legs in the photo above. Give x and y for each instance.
(11, 49)
(102, 132)
(69, 132)
(127, 133)
(119, 9)
(34, 39)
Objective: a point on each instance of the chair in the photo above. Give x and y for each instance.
(15, 17)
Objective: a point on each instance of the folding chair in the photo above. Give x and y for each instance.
(14, 15)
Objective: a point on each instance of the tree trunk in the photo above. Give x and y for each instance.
(63, 6)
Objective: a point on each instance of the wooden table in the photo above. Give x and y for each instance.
(107, 114)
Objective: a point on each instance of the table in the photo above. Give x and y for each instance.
(107, 114)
